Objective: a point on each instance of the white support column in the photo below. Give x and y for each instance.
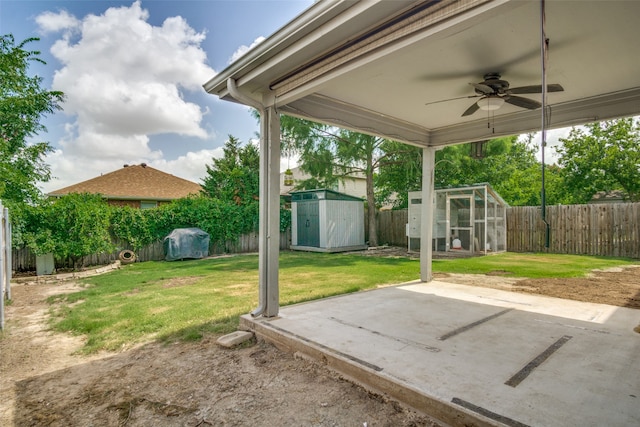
(426, 224)
(273, 237)
(269, 222)
(269, 232)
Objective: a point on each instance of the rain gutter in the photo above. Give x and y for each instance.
(316, 15)
(241, 97)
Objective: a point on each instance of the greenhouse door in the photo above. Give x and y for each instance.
(309, 224)
(460, 216)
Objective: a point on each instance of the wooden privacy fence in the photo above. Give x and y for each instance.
(25, 260)
(392, 227)
(593, 229)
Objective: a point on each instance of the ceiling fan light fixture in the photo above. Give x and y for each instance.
(490, 103)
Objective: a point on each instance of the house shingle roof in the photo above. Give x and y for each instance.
(140, 182)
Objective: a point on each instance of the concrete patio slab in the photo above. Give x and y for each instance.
(475, 356)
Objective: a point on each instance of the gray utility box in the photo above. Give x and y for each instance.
(45, 264)
(326, 221)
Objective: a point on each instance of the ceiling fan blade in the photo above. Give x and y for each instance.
(536, 89)
(469, 111)
(482, 88)
(519, 101)
(452, 99)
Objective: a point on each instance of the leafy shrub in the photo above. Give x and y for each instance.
(78, 225)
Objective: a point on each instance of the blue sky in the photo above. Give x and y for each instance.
(133, 71)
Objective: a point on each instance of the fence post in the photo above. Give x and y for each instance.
(5, 260)
(8, 251)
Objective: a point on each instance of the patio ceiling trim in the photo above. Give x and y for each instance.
(417, 19)
(334, 112)
(349, 116)
(315, 16)
(297, 68)
(447, 21)
(604, 107)
(323, 29)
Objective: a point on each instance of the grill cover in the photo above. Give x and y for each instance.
(184, 243)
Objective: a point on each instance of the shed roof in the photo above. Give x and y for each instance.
(140, 182)
(322, 193)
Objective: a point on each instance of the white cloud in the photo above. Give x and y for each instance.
(50, 22)
(289, 163)
(553, 142)
(124, 81)
(191, 166)
(244, 49)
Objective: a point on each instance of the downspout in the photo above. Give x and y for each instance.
(239, 96)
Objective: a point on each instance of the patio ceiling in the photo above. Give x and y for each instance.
(376, 66)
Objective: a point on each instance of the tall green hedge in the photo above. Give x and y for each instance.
(71, 227)
(77, 225)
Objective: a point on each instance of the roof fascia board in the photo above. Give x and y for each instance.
(313, 17)
(139, 198)
(314, 45)
(469, 12)
(115, 197)
(311, 41)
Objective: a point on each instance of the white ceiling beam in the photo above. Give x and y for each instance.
(333, 112)
(605, 107)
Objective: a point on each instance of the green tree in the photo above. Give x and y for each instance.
(513, 171)
(235, 176)
(400, 173)
(330, 155)
(509, 165)
(602, 156)
(23, 104)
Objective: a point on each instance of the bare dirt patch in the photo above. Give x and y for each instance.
(620, 286)
(177, 282)
(615, 286)
(43, 382)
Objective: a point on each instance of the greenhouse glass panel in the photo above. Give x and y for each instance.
(467, 219)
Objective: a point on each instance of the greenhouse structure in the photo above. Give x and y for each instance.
(468, 219)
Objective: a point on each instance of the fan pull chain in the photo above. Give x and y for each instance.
(491, 121)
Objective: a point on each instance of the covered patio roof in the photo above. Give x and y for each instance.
(402, 70)
(413, 71)
(383, 67)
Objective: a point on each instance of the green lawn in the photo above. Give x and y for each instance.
(186, 299)
(533, 266)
